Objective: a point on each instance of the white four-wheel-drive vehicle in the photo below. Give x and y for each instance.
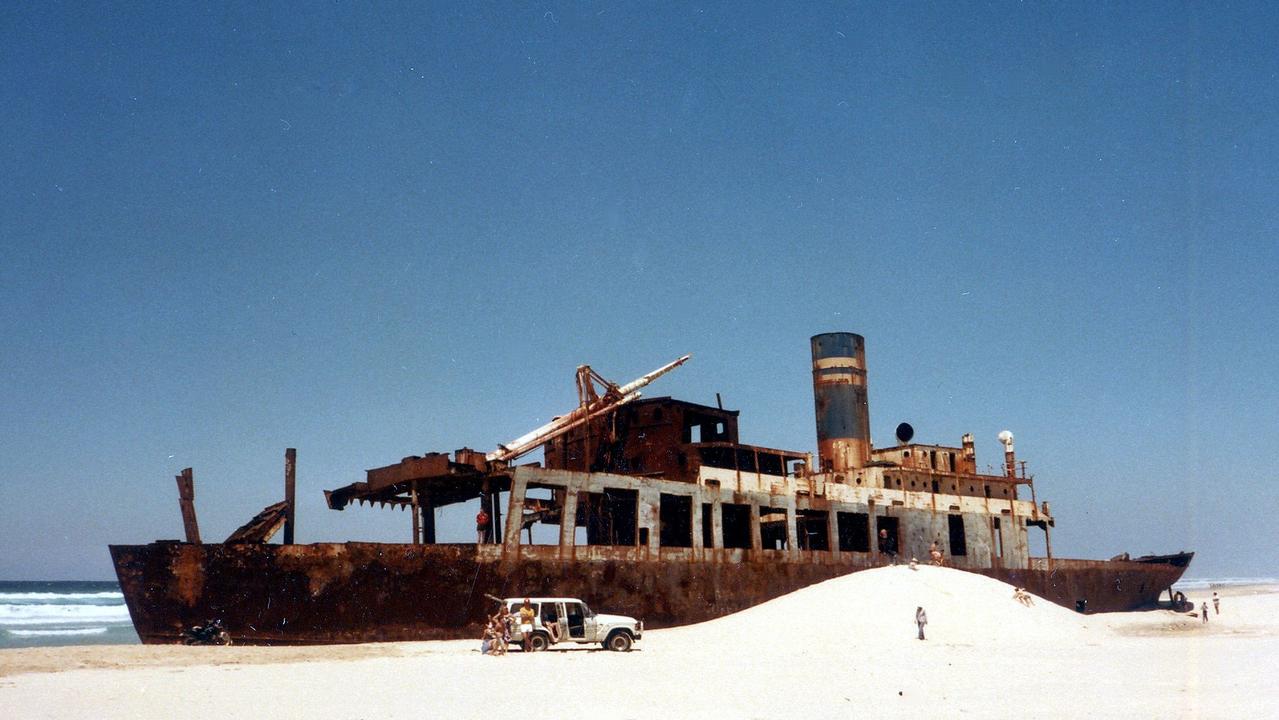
(574, 622)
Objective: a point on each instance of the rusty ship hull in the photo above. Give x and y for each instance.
(376, 592)
(652, 508)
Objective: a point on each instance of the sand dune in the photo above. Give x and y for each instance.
(844, 648)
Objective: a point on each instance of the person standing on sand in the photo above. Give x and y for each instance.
(1216, 604)
(527, 615)
(481, 527)
(888, 546)
(1203, 612)
(921, 619)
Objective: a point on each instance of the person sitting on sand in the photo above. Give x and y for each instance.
(1023, 597)
(498, 630)
(921, 619)
(486, 640)
(914, 564)
(935, 553)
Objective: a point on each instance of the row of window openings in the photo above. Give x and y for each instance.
(932, 458)
(936, 485)
(611, 518)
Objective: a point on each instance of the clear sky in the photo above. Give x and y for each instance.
(373, 231)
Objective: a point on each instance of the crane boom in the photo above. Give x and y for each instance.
(612, 399)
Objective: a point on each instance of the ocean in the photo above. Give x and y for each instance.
(48, 613)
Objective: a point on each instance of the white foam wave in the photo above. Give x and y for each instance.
(59, 631)
(62, 614)
(67, 597)
(1205, 583)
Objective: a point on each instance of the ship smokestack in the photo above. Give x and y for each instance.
(839, 397)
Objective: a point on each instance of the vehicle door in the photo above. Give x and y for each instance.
(552, 612)
(575, 617)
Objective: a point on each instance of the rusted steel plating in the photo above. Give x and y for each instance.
(186, 501)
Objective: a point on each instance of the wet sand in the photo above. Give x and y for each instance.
(843, 648)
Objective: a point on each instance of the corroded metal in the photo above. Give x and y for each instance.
(186, 502)
(373, 592)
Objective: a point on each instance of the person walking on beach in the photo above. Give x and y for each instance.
(481, 527)
(1203, 612)
(1216, 604)
(921, 619)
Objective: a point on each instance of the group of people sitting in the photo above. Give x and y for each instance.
(1023, 597)
(497, 631)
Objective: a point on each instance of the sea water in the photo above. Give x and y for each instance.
(46, 613)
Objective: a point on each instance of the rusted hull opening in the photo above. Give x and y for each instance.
(372, 592)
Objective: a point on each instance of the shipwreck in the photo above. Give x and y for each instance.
(652, 507)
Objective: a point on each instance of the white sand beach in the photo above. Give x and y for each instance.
(844, 648)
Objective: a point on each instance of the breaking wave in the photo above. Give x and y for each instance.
(90, 597)
(48, 614)
(1206, 583)
(58, 632)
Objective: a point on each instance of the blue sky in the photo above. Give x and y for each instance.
(369, 232)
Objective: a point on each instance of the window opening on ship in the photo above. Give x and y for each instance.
(999, 540)
(708, 525)
(883, 522)
(936, 486)
(812, 527)
(987, 490)
(854, 531)
(958, 541)
(694, 433)
(771, 464)
(772, 527)
(610, 517)
(737, 525)
(543, 506)
(932, 459)
(675, 513)
(950, 457)
(1037, 542)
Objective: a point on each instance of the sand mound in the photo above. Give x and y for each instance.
(878, 607)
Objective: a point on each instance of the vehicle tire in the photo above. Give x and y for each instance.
(618, 641)
(539, 642)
